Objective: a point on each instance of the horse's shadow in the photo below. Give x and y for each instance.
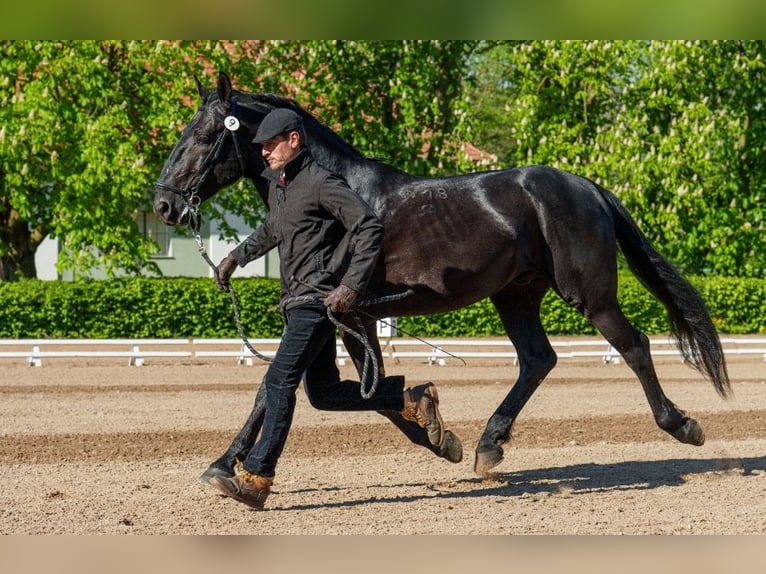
(570, 480)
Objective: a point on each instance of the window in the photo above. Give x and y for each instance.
(152, 228)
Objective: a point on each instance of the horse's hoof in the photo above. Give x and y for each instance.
(690, 433)
(212, 471)
(452, 448)
(487, 458)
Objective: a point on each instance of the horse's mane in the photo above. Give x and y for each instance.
(312, 123)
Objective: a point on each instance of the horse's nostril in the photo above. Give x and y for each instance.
(162, 208)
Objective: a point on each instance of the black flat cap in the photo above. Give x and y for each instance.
(278, 121)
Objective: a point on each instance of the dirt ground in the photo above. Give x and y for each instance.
(100, 447)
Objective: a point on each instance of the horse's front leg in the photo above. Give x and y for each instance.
(242, 443)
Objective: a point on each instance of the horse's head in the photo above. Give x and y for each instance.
(214, 151)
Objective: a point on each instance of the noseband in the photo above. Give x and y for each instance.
(190, 195)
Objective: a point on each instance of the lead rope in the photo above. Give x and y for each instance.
(370, 357)
(234, 298)
(192, 201)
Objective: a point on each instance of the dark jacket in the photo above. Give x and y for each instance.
(325, 233)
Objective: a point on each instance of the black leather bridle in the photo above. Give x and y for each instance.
(190, 195)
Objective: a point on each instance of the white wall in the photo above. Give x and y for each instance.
(218, 249)
(45, 259)
(184, 258)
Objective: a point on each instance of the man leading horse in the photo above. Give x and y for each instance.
(328, 241)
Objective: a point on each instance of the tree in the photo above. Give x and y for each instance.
(676, 129)
(85, 128)
(697, 130)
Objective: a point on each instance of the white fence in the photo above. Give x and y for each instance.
(236, 348)
(434, 352)
(135, 350)
(438, 351)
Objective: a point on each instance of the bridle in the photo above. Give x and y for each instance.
(190, 195)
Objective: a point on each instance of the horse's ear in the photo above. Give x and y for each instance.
(224, 87)
(201, 90)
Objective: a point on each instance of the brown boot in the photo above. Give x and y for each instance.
(421, 406)
(251, 489)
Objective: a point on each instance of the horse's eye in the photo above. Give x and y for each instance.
(201, 138)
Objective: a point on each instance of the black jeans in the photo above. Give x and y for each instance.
(308, 350)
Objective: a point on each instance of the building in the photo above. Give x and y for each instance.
(178, 254)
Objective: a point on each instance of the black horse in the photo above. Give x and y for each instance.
(510, 235)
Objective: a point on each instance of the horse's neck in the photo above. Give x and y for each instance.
(366, 176)
(254, 173)
(336, 163)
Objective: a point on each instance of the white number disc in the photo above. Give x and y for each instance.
(231, 123)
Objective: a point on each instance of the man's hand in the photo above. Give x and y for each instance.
(341, 299)
(224, 271)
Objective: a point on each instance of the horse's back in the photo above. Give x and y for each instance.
(557, 197)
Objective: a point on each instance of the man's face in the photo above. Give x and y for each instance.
(281, 149)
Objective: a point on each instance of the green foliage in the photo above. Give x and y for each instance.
(400, 101)
(84, 129)
(736, 306)
(186, 307)
(675, 128)
(137, 307)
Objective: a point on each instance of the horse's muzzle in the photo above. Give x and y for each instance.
(169, 214)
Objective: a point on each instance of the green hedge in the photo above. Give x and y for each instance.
(186, 307)
(736, 305)
(137, 307)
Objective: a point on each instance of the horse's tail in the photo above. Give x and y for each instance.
(690, 322)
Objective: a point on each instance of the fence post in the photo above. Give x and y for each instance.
(35, 360)
(136, 359)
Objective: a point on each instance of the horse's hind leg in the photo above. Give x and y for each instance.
(634, 348)
(520, 314)
(451, 449)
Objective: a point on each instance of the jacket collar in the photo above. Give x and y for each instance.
(292, 169)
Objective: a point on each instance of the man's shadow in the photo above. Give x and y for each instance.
(572, 479)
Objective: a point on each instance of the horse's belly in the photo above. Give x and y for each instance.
(454, 245)
(455, 273)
